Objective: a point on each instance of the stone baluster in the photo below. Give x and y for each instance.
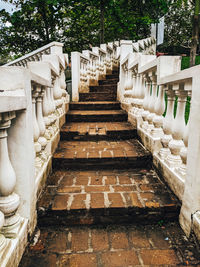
(63, 88)
(46, 112)
(176, 143)
(167, 124)
(183, 153)
(152, 101)
(139, 95)
(125, 76)
(143, 93)
(36, 129)
(90, 70)
(57, 96)
(159, 110)
(146, 102)
(41, 125)
(52, 116)
(9, 201)
(129, 81)
(81, 72)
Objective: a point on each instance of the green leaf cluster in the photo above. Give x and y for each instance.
(76, 23)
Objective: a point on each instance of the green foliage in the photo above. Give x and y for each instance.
(178, 27)
(76, 23)
(185, 62)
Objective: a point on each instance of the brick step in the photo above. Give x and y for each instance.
(101, 154)
(97, 96)
(106, 197)
(115, 72)
(104, 88)
(97, 131)
(101, 105)
(112, 76)
(110, 81)
(96, 116)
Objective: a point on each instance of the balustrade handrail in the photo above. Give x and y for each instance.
(41, 51)
(180, 76)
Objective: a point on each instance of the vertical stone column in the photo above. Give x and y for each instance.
(9, 201)
(46, 112)
(152, 102)
(146, 102)
(41, 125)
(36, 134)
(167, 124)
(176, 143)
(159, 110)
(65, 96)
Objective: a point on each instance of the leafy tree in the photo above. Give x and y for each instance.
(178, 27)
(76, 23)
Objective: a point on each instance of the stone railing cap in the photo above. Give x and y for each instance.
(35, 52)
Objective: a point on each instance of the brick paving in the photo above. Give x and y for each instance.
(104, 205)
(163, 244)
(105, 189)
(101, 149)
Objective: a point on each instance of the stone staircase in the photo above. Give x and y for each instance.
(102, 174)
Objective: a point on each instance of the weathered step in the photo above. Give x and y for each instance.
(110, 81)
(112, 76)
(97, 96)
(101, 154)
(106, 197)
(97, 131)
(104, 88)
(101, 105)
(94, 115)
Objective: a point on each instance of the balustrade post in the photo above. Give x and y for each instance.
(183, 153)
(63, 88)
(167, 124)
(36, 134)
(159, 110)
(52, 109)
(40, 120)
(57, 95)
(146, 102)
(151, 107)
(176, 143)
(9, 201)
(46, 112)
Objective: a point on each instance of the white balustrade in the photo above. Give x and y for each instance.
(9, 201)
(152, 101)
(159, 110)
(178, 127)
(52, 48)
(168, 124)
(146, 102)
(38, 147)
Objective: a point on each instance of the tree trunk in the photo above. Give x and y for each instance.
(102, 30)
(195, 34)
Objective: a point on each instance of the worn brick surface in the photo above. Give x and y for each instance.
(79, 240)
(113, 246)
(101, 149)
(79, 201)
(119, 240)
(131, 188)
(97, 200)
(159, 257)
(100, 240)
